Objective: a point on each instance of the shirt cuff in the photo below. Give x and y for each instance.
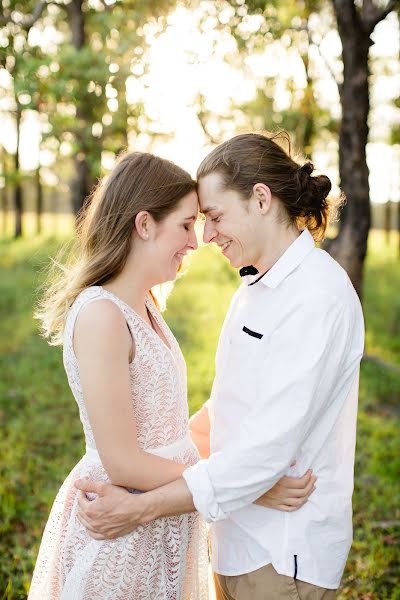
(201, 488)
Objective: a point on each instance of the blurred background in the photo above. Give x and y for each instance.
(83, 80)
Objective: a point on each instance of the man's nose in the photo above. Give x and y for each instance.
(209, 232)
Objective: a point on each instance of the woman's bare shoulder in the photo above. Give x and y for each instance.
(100, 320)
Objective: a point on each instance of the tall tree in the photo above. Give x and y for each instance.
(291, 27)
(82, 183)
(16, 21)
(355, 25)
(3, 189)
(103, 43)
(288, 22)
(84, 90)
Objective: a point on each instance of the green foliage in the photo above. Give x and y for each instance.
(43, 440)
(72, 86)
(73, 106)
(296, 29)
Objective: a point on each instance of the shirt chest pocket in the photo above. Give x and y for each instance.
(247, 349)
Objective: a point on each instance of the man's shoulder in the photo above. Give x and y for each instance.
(322, 276)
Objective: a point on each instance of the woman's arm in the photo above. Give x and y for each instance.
(102, 345)
(115, 512)
(199, 425)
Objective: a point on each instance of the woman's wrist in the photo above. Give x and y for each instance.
(166, 501)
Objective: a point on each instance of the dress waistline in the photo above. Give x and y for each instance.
(168, 451)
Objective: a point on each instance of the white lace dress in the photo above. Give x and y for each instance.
(163, 560)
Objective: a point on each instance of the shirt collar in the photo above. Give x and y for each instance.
(289, 260)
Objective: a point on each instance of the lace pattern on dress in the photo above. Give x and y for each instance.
(166, 559)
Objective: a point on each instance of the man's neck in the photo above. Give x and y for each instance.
(276, 247)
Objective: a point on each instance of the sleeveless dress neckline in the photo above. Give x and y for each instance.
(150, 306)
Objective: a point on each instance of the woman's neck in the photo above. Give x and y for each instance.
(133, 283)
(131, 288)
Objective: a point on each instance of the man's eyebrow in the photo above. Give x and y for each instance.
(208, 209)
(191, 218)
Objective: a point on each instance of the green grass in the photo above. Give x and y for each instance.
(42, 437)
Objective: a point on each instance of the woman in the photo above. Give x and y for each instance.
(128, 376)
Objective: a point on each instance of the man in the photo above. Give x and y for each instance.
(285, 388)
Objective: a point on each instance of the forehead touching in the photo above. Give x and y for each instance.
(188, 207)
(213, 196)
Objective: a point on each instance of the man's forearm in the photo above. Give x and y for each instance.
(166, 501)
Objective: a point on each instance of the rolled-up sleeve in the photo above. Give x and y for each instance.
(296, 382)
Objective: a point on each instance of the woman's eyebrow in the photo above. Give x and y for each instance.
(191, 218)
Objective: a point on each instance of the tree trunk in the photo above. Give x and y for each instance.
(81, 185)
(3, 200)
(76, 23)
(307, 125)
(398, 224)
(18, 188)
(350, 246)
(355, 27)
(388, 221)
(3, 191)
(39, 201)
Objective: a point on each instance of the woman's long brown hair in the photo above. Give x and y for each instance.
(138, 182)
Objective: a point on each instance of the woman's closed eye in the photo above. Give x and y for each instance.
(216, 219)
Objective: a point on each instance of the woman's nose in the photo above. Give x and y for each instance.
(193, 240)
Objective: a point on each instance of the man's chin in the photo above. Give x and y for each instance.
(232, 262)
(235, 263)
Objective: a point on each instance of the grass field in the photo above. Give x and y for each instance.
(42, 437)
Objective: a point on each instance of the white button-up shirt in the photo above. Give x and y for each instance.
(285, 389)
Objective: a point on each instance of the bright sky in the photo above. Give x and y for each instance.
(174, 81)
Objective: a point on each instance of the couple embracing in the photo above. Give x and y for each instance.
(277, 436)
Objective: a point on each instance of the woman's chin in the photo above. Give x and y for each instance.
(167, 278)
(178, 266)
(172, 275)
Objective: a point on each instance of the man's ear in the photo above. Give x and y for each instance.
(262, 196)
(143, 224)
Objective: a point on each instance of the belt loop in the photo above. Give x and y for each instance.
(295, 567)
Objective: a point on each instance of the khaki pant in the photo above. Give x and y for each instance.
(267, 584)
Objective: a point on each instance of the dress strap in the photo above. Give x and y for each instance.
(87, 296)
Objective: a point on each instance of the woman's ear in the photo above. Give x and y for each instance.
(262, 195)
(142, 224)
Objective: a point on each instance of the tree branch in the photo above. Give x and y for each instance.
(384, 524)
(328, 66)
(3, 19)
(36, 14)
(107, 7)
(381, 363)
(28, 20)
(372, 15)
(202, 117)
